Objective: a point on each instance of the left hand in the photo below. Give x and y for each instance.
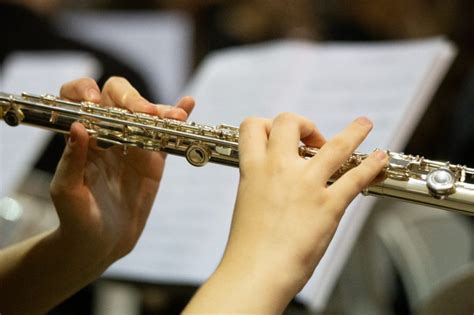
(103, 197)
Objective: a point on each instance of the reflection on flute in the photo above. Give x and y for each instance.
(406, 177)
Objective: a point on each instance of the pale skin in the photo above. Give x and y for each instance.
(102, 199)
(285, 214)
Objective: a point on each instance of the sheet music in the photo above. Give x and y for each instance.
(329, 83)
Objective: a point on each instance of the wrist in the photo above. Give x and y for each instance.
(286, 272)
(93, 258)
(267, 288)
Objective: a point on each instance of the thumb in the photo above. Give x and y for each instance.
(69, 174)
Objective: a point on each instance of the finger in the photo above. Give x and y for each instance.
(253, 138)
(187, 104)
(182, 109)
(346, 188)
(84, 89)
(70, 172)
(118, 92)
(338, 149)
(287, 131)
(315, 139)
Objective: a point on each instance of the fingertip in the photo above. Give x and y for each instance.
(93, 95)
(376, 162)
(186, 99)
(78, 136)
(70, 170)
(80, 90)
(364, 121)
(380, 155)
(176, 113)
(186, 103)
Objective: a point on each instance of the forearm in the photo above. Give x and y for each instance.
(235, 290)
(40, 272)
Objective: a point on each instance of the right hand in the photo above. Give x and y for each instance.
(285, 214)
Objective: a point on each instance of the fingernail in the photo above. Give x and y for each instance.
(381, 155)
(364, 121)
(72, 139)
(93, 95)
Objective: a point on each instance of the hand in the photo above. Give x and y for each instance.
(285, 214)
(103, 197)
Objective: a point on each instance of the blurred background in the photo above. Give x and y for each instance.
(169, 41)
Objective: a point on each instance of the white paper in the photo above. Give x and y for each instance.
(331, 84)
(36, 73)
(157, 45)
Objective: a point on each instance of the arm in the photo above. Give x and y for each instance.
(102, 199)
(285, 214)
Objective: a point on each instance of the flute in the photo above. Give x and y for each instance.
(406, 177)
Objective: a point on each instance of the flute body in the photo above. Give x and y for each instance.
(406, 177)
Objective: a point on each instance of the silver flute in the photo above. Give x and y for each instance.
(406, 177)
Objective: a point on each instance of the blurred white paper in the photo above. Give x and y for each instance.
(157, 44)
(37, 73)
(329, 83)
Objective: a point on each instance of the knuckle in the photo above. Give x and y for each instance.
(249, 122)
(113, 80)
(311, 125)
(76, 85)
(56, 190)
(63, 90)
(86, 81)
(286, 117)
(59, 189)
(81, 86)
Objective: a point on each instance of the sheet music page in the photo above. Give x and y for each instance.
(329, 83)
